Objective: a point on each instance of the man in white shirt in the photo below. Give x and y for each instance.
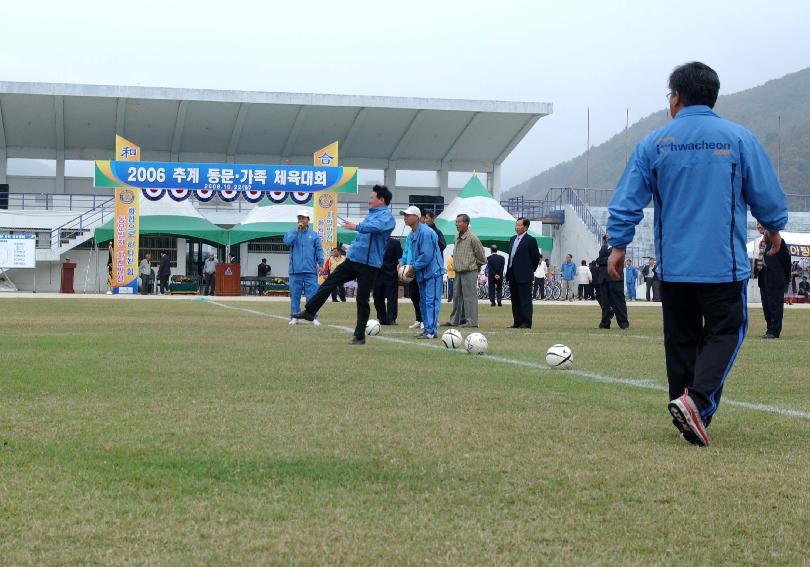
(584, 279)
(539, 291)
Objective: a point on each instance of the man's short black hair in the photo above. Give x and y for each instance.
(465, 218)
(264, 259)
(430, 214)
(526, 222)
(695, 83)
(383, 193)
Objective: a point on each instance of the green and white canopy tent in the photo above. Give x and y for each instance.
(488, 219)
(268, 221)
(170, 217)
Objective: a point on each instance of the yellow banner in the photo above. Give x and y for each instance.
(324, 205)
(125, 226)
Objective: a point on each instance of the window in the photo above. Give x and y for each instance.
(273, 244)
(154, 244)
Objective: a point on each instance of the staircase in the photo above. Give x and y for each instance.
(76, 231)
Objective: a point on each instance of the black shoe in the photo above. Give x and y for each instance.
(603, 327)
(513, 327)
(306, 316)
(421, 335)
(499, 305)
(769, 336)
(524, 326)
(625, 327)
(492, 305)
(356, 341)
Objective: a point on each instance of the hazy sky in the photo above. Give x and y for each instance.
(604, 55)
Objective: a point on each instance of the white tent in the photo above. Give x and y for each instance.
(798, 241)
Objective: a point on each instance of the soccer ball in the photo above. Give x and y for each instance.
(476, 343)
(373, 327)
(402, 277)
(559, 356)
(452, 338)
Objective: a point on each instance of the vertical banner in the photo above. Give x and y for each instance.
(125, 226)
(324, 205)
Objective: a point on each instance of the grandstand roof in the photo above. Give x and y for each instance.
(70, 121)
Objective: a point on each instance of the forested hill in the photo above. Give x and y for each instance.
(758, 109)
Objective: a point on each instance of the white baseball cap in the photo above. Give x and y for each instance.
(303, 213)
(412, 210)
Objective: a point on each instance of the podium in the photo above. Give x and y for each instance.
(228, 280)
(66, 282)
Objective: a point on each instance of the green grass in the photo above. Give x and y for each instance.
(182, 432)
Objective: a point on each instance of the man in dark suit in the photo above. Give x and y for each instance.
(164, 271)
(495, 265)
(386, 285)
(777, 280)
(524, 255)
(611, 292)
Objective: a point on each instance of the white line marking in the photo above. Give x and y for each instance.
(634, 383)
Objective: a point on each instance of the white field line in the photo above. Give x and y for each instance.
(594, 377)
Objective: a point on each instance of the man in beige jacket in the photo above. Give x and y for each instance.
(468, 257)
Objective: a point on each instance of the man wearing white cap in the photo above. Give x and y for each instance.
(306, 257)
(427, 267)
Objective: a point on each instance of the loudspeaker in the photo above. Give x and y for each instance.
(3, 195)
(426, 203)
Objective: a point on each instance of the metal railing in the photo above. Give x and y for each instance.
(82, 224)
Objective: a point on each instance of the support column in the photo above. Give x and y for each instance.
(59, 184)
(391, 175)
(3, 166)
(494, 182)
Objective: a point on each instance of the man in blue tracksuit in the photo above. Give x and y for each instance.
(630, 279)
(306, 257)
(702, 172)
(428, 268)
(362, 262)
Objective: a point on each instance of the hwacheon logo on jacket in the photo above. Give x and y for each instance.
(668, 144)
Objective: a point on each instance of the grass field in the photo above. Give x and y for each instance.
(183, 432)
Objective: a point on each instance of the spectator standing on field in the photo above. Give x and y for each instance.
(539, 291)
(468, 257)
(583, 281)
(164, 271)
(630, 279)
(495, 266)
(145, 269)
(569, 274)
(209, 274)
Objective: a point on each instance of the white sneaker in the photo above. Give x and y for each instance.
(415, 325)
(421, 326)
(293, 321)
(316, 323)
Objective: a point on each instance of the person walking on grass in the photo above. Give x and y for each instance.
(702, 173)
(362, 262)
(306, 257)
(426, 269)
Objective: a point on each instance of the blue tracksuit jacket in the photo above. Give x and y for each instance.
(702, 172)
(306, 252)
(372, 236)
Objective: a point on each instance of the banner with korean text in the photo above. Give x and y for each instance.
(125, 223)
(324, 205)
(220, 177)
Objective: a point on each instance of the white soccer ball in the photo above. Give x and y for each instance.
(402, 277)
(452, 338)
(559, 356)
(476, 343)
(373, 327)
